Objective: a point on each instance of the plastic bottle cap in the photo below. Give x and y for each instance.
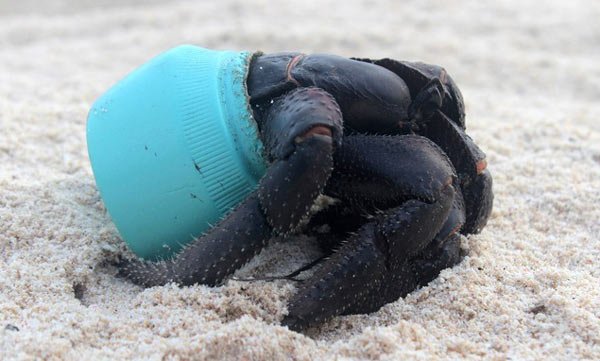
(174, 147)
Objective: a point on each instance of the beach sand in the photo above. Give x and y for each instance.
(529, 287)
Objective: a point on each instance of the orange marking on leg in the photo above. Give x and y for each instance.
(319, 129)
(481, 165)
(290, 66)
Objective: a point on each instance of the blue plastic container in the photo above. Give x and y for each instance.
(174, 147)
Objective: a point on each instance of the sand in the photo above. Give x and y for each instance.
(528, 288)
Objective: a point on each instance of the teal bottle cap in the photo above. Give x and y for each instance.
(174, 146)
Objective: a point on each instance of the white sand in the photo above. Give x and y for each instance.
(529, 289)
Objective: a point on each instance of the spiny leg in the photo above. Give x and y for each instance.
(371, 268)
(300, 131)
(413, 181)
(212, 256)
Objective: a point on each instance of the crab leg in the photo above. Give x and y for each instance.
(212, 256)
(470, 164)
(370, 269)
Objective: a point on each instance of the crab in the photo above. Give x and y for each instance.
(386, 140)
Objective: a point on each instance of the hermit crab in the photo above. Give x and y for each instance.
(384, 139)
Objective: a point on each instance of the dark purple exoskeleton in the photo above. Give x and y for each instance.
(387, 140)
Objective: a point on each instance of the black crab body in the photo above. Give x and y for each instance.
(387, 140)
